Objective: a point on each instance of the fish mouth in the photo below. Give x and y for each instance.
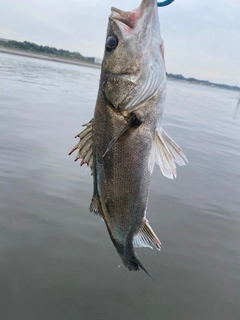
(130, 18)
(122, 16)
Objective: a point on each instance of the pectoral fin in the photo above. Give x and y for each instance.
(146, 237)
(84, 146)
(166, 153)
(132, 122)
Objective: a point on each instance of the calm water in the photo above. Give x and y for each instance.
(56, 259)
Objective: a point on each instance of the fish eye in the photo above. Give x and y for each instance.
(111, 43)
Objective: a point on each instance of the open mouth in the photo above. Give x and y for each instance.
(127, 18)
(131, 18)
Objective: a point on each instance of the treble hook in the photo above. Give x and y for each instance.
(164, 3)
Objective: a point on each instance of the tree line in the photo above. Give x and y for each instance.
(202, 82)
(32, 47)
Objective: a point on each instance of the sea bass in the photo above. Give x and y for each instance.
(124, 139)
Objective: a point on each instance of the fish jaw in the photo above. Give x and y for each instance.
(136, 67)
(140, 19)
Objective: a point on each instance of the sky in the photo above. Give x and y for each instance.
(201, 37)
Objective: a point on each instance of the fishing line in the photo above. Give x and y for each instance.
(164, 3)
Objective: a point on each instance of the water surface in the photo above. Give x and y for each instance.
(56, 259)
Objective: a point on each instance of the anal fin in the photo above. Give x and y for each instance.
(146, 237)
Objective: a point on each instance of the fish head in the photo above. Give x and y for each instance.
(133, 65)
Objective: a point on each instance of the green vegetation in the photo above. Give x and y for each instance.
(35, 48)
(202, 82)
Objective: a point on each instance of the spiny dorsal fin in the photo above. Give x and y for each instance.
(166, 153)
(146, 237)
(84, 146)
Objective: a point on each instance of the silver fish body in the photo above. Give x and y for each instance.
(124, 139)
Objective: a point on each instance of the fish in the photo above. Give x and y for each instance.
(125, 139)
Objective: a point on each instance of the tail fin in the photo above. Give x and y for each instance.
(134, 264)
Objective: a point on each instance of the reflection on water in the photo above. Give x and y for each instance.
(237, 108)
(56, 259)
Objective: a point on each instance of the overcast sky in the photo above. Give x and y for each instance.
(202, 37)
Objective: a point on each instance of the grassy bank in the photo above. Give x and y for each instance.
(49, 57)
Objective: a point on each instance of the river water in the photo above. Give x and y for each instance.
(57, 260)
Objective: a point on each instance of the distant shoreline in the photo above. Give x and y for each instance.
(48, 57)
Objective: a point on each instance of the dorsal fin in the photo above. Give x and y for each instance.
(84, 146)
(146, 237)
(95, 206)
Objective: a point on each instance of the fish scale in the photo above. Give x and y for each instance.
(124, 139)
